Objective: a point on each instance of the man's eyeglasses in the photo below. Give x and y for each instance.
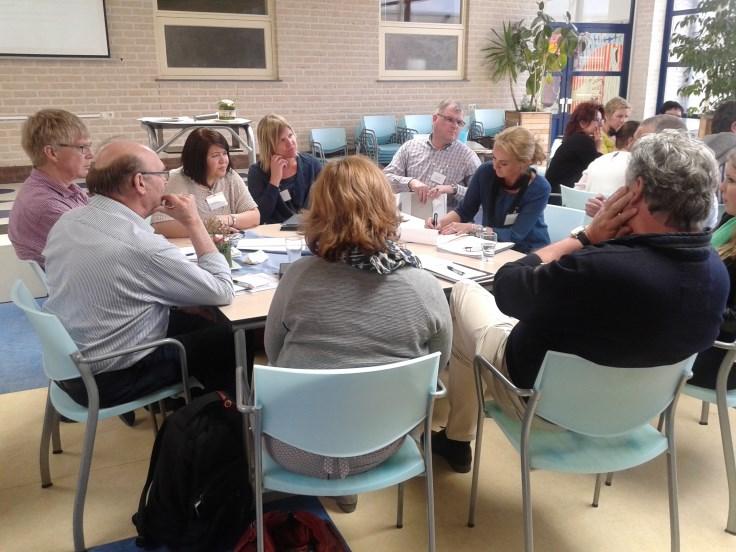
(458, 122)
(162, 174)
(85, 149)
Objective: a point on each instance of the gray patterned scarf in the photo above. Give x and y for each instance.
(382, 262)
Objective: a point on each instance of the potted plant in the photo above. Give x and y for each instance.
(708, 52)
(226, 109)
(536, 50)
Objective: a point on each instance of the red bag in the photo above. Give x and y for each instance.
(292, 532)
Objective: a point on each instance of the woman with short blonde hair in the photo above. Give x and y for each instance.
(360, 300)
(281, 180)
(512, 194)
(615, 113)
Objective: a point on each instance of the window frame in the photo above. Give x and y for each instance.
(460, 30)
(162, 18)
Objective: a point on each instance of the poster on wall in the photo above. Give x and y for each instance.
(53, 28)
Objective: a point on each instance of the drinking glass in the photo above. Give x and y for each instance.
(294, 248)
(488, 245)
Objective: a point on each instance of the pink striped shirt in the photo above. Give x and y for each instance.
(38, 205)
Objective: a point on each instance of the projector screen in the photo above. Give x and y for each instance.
(69, 28)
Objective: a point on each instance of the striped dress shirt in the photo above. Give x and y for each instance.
(112, 280)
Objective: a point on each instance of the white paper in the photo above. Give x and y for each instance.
(467, 245)
(254, 257)
(274, 245)
(257, 282)
(418, 235)
(449, 270)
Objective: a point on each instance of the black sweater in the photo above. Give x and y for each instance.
(570, 160)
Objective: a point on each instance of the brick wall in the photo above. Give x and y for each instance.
(327, 62)
(646, 57)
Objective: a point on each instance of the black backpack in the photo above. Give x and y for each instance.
(197, 494)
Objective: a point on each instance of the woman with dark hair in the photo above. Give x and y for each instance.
(580, 146)
(207, 174)
(361, 300)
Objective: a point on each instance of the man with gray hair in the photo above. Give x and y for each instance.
(113, 282)
(639, 286)
(438, 164)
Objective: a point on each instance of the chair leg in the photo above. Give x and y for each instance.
(597, 492)
(400, 507)
(609, 479)
(526, 494)
(672, 487)
(429, 477)
(154, 421)
(660, 423)
(704, 409)
(728, 455)
(56, 434)
(46, 431)
(84, 468)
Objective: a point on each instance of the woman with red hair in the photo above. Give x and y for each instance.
(579, 146)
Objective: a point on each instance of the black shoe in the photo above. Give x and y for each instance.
(128, 418)
(457, 453)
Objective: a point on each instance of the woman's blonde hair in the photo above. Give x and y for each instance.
(520, 143)
(268, 132)
(50, 127)
(728, 250)
(351, 205)
(614, 104)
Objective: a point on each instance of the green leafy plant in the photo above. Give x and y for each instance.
(538, 50)
(708, 52)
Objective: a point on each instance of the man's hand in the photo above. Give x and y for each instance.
(594, 204)
(612, 220)
(181, 207)
(278, 164)
(457, 228)
(437, 191)
(421, 189)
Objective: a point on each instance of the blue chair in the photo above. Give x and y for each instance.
(411, 125)
(723, 399)
(377, 138)
(486, 122)
(343, 413)
(63, 361)
(604, 415)
(561, 221)
(328, 143)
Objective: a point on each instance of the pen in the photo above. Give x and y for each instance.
(455, 270)
(434, 220)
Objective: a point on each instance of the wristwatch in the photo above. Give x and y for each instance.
(580, 235)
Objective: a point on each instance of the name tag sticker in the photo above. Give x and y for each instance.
(510, 219)
(285, 195)
(438, 178)
(216, 201)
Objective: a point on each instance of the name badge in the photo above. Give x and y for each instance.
(438, 178)
(285, 195)
(510, 219)
(216, 201)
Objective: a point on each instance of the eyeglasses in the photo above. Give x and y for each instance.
(162, 174)
(458, 122)
(85, 149)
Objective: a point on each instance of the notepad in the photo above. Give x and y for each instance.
(454, 272)
(467, 245)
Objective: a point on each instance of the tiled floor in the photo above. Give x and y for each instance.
(7, 196)
(632, 515)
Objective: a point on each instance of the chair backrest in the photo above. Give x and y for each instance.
(55, 341)
(561, 220)
(331, 139)
(556, 143)
(421, 123)
(598, 400)
(493, 120)
(384, 126)
(575, 199)
(344, 412)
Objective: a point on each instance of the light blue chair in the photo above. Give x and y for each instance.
(377, 138)
(328, 143)
(575, 199)
(561, 221)
(343, 413)
(723, 399)
(63, 361)
(604, 414)
(411, 125)
(486, 122)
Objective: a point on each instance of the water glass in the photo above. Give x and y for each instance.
(294, 248)
(488, 245)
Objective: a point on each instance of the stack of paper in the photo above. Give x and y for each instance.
(257, 282)
(269, 245)
(451, 271)
(465, 244)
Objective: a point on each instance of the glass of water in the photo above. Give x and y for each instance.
(488, 245)
(294, 248)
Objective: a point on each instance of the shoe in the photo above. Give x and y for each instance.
(457, 453)
(128, 418)
(347, 503)
(65, 420)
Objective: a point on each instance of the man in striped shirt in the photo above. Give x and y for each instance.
(113, 281)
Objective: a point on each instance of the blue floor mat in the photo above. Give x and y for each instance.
(20, 352)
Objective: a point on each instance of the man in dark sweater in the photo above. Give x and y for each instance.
(640, 286)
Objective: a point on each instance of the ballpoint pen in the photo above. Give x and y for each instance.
(434, 220)
(455, 270)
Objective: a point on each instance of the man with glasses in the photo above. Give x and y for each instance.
(60, 150)
(115, 284)
(438, 164)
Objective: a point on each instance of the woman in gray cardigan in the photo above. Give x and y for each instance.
(361, 300)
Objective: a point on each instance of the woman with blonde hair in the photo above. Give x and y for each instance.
(615, 113)
(361, 300)
(512, 194)
(281, 180)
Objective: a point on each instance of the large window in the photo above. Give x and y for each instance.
(422, 39)
(215, 39)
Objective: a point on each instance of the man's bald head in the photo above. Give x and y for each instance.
(658, 123)
(116, 163)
